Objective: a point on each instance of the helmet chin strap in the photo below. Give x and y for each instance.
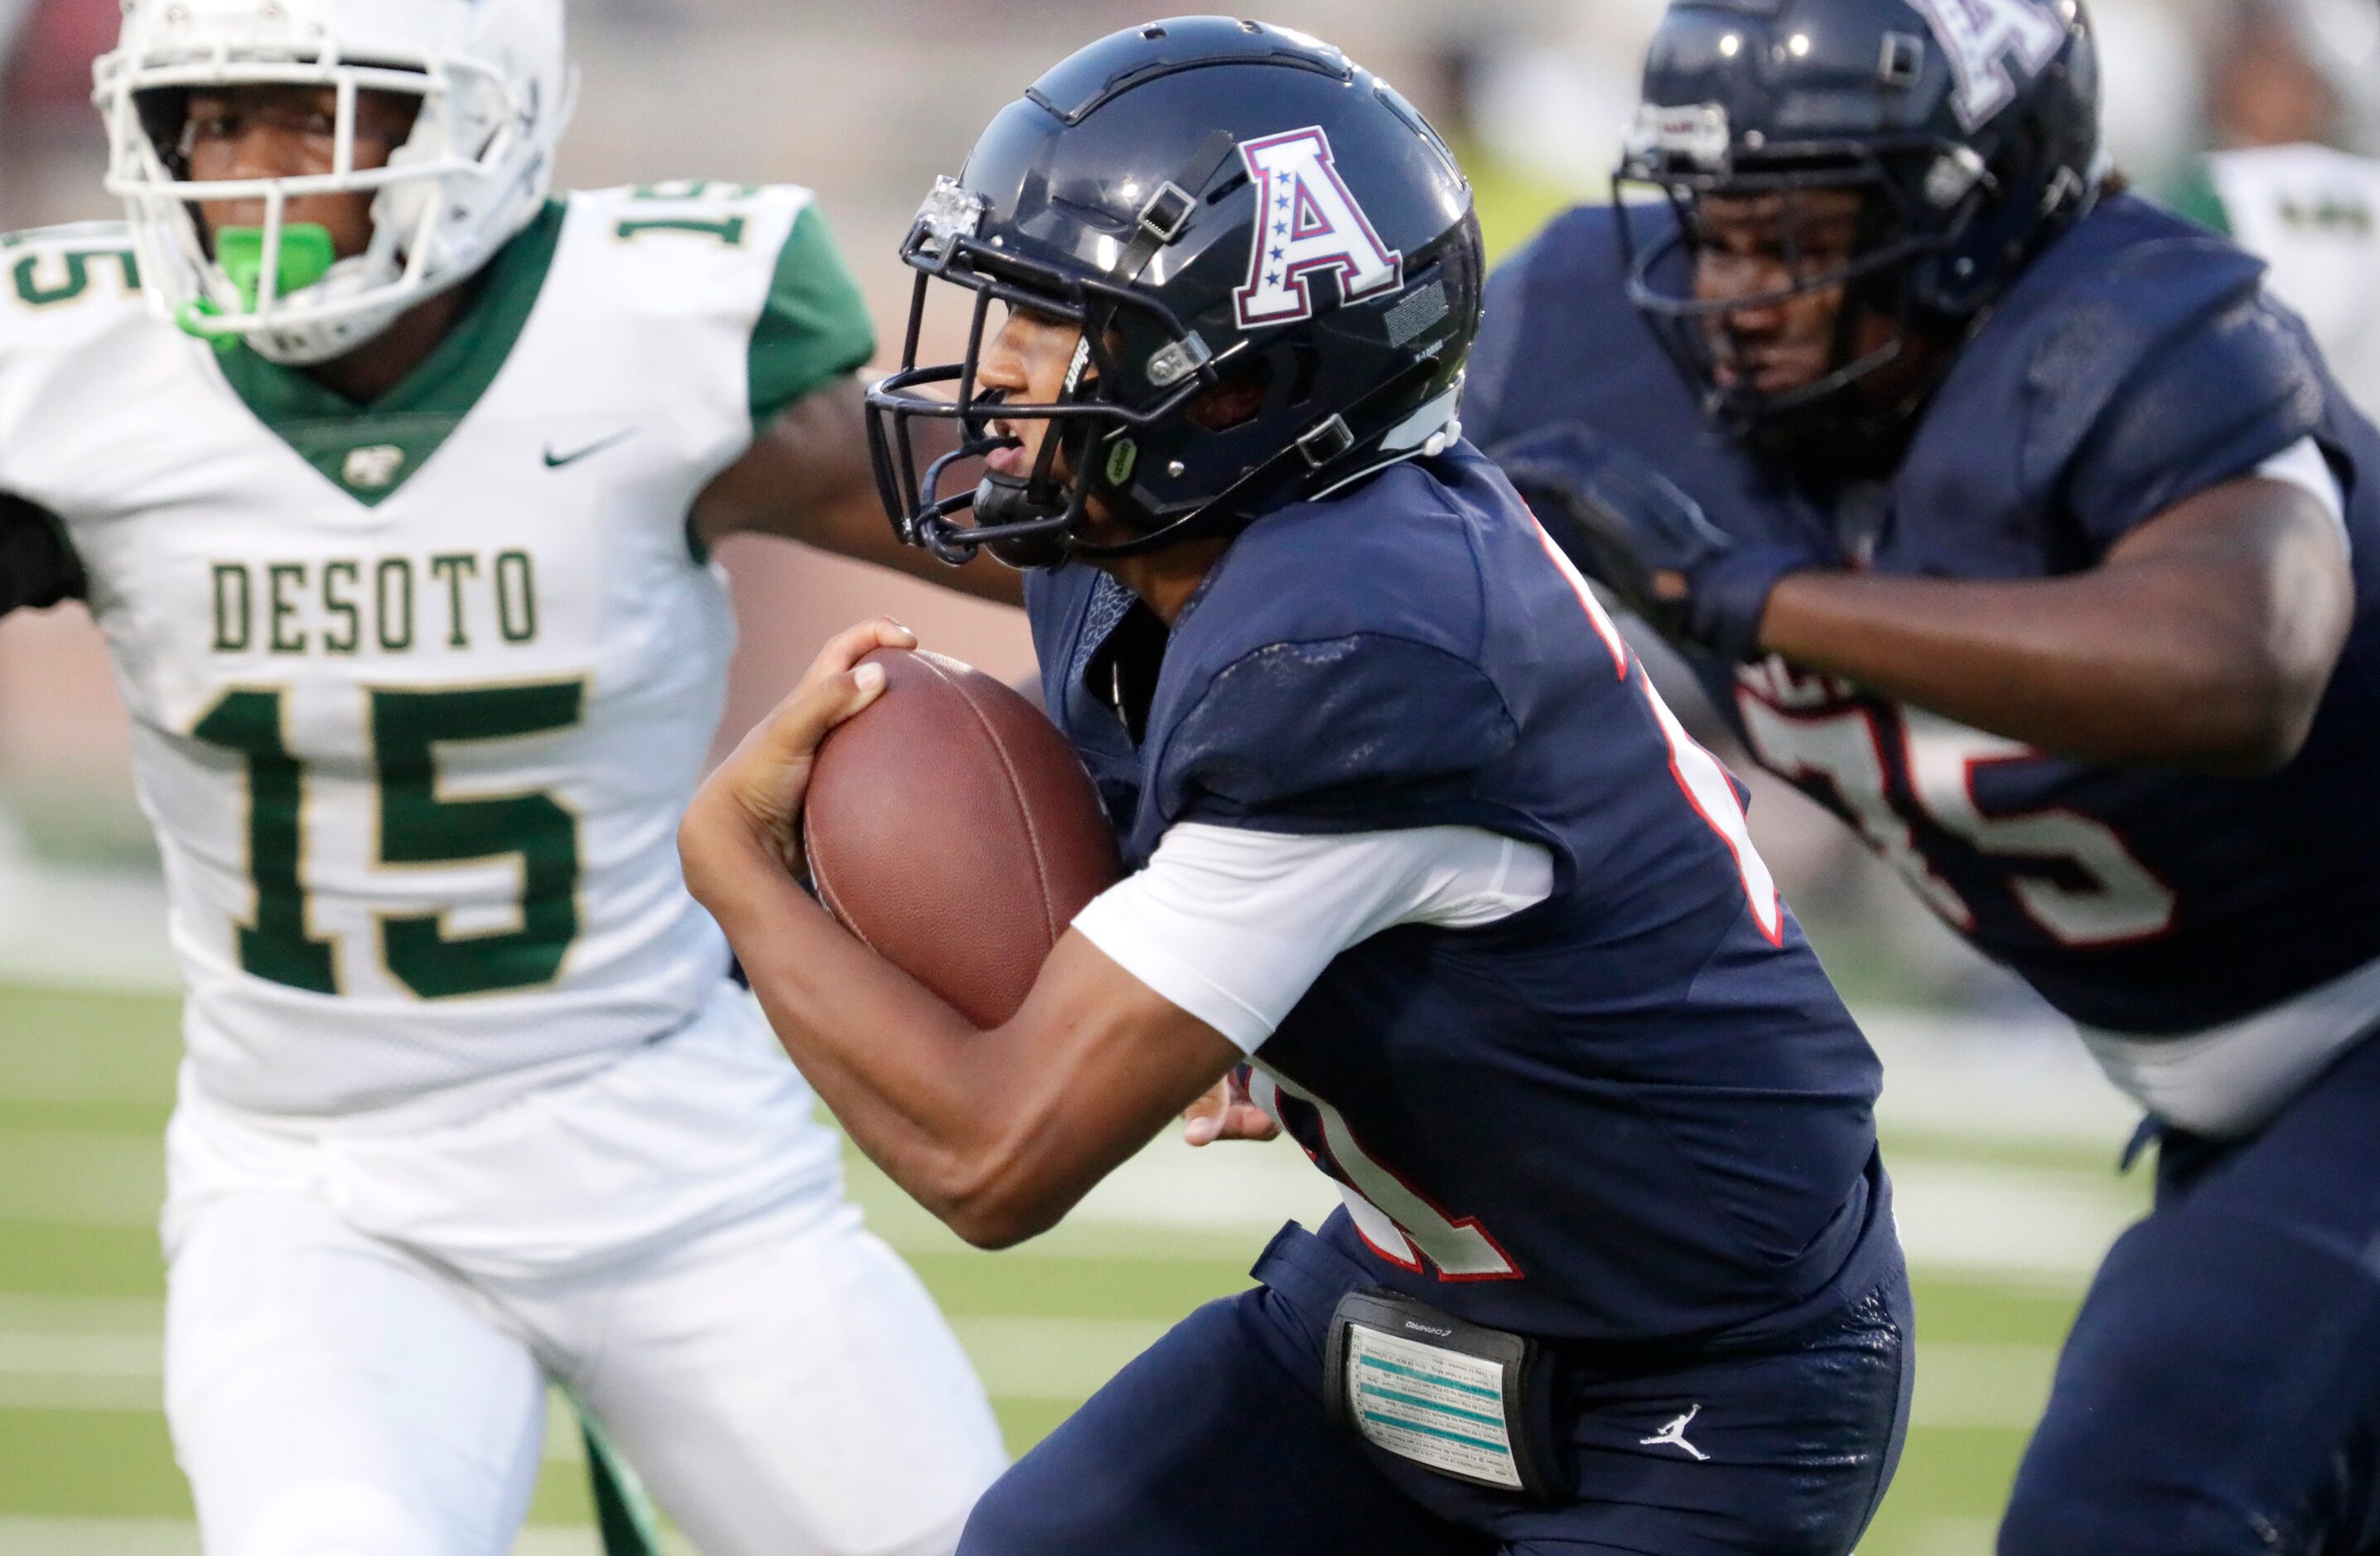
(1010, 502)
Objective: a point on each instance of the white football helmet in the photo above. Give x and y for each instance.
(495, 92)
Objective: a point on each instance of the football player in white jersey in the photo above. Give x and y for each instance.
(398, 543)
(2296, 84)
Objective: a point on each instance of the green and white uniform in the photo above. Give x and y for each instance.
(419, 694)
(2312, 214)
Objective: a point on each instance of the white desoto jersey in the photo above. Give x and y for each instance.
(419, 691)
(2314, 215)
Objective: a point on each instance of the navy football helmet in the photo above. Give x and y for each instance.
(1970, 128)
(1217, 204)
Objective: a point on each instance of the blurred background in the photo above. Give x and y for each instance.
(2001, 1137)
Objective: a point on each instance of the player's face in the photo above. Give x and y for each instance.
(1762, 248)
(288, 131)
(1028, 361)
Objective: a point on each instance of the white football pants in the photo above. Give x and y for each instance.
(777, 1377)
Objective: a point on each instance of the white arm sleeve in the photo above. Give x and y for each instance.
(2301, 465)
(1234, 926)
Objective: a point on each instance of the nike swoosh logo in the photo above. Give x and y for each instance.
(555, 461)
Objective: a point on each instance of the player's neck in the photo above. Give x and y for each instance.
(381, 363)
(1166, 579)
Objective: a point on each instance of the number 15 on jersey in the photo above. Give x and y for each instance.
(416, 825)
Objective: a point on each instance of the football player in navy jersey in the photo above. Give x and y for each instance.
(2006, 515)
(1417, 853)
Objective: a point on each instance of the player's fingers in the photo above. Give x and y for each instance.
(804, 719)
(1202, 1121)
(770, 772)
(852, 644)
(1247, 1122)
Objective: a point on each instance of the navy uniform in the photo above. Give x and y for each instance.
(1619, 1123)
(2134, 365)
(2217, 940)
(1640, 1111)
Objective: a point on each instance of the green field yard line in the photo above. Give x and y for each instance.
(33, 1393)
(1159, 1289)
(1956, 1216)
(81, 1177)
(59, 1313)
(2097, 1158)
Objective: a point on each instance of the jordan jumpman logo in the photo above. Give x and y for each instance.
(1674, 1436)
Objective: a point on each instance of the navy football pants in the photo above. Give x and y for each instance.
(1215, 1443)
(2220, 1393)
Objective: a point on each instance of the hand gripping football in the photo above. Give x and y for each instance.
(951, 827)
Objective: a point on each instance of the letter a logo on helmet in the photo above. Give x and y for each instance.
(1311, 223)
(1980, 35)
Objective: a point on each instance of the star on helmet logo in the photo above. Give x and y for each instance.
(1320, 227)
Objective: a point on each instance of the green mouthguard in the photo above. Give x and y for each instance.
(307, 255)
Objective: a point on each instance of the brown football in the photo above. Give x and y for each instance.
(953, 828)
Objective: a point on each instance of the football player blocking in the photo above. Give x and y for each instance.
(397, 542)
(2038, 542)
(1423, 869)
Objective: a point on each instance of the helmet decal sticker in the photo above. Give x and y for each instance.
(1312, 223)
(1138, 451)
(1979, 36)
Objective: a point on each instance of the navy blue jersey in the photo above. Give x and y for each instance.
(2133, 365)
(1636, 1110)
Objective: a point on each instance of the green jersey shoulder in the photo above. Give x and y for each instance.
(809, 326)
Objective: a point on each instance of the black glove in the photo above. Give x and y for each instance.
(1630, 530)
(37, 567)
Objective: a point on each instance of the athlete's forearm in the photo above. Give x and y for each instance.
(2205, 642)
(855, 526)
(999, 1133)
(808, 476)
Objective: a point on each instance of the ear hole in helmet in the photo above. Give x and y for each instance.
(1237, 401)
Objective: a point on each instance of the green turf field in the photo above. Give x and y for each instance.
(85, 1084)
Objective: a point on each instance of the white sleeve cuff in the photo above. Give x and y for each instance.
(1122, 926)
(2301, 465)
(1233, 925)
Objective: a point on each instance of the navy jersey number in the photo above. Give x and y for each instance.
(2070, 874)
